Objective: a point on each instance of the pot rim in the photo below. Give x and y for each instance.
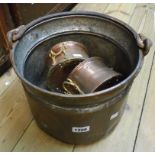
(81, 13)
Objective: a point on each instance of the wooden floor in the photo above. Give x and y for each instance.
(136, 130)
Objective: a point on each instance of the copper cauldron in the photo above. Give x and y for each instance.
(79, 118)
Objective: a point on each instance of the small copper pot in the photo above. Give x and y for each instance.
(89, 76)
(66, 51)
(59, 73)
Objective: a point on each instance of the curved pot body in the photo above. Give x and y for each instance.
(77, 119)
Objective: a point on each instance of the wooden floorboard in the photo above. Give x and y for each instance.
(146, 135)
(6, 80)
(15, 116)
(121, 11)
(35, 139)
(90, 7)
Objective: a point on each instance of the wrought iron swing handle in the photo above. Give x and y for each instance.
(144, 44)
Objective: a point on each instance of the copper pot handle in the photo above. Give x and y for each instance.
(53, 55)
(144, 43)
(71, 83)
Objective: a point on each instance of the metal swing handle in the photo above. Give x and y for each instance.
(144, 43)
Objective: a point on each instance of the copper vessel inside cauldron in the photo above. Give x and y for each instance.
(67, 50)
(62, 59)
(58, 74)
(90, 76)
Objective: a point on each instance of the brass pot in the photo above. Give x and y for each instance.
(91, 75)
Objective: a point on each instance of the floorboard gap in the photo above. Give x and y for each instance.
(21, 135)
(143, 103)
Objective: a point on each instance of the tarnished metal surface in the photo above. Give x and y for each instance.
(59, 121)
(57, 74)
(91, 75)
(67, 51)
(77, 119)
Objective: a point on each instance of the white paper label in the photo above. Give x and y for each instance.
(114, 115)
(81, 129)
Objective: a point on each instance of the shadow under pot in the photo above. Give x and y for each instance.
(59, 73)
(67, 50)
(90, 76)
